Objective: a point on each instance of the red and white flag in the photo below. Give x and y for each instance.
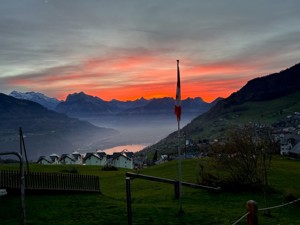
(178, 95)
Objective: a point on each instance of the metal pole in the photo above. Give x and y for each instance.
(128, 194)
(179, 167)
(185, 145)
(22, 186)
(22, 146)
(22, 189)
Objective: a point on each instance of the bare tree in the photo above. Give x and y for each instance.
(247, 154)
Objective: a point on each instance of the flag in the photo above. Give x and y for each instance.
(178, 95)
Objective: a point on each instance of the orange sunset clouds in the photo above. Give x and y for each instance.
(136, 76)
(126, 50)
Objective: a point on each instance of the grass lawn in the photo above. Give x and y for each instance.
(154, 203)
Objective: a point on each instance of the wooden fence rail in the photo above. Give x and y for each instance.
(50, 181)
(170, 181)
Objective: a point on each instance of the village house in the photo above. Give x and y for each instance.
(122, 159)
(92, 159)
(103, 158)
(78, 159)
(98, 158)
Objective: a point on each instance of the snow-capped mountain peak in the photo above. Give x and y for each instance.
(37, 97)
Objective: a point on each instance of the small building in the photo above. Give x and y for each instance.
(103, 158)
(92, 159)
(78, 159)
(120, 160)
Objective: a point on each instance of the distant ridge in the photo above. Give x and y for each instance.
(166, 105)
(81, 104)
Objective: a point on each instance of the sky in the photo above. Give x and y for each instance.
(127, 49)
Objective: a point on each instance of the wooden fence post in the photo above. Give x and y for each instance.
(252, 218)
(128, 193)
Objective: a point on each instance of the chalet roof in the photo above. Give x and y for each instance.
(54, 155)
(90, 154)
(44, 158)
(101, 154)
(129, 154)
(64, 156)
(76, 153)
(116, 155)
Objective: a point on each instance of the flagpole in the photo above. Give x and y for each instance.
(179, 165)
(178, 115)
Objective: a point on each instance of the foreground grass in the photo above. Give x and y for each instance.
(154, 203)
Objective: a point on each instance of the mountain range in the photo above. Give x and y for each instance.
(51, 126)
(46, 131)
(264, 100)
(83, 105)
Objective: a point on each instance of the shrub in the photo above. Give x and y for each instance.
(70, 170)
(245, 157)
(109, 168)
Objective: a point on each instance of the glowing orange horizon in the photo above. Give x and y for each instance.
(136, 76)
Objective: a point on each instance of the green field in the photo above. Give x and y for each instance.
(154, 203)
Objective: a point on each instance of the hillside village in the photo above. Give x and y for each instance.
(286, 132)
(122, 159)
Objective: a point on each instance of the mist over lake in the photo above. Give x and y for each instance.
(141, 130)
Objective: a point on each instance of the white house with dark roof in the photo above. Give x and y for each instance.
(121, 160)
(103, 157)
(98, 158)
(78, 159)
(92, 159)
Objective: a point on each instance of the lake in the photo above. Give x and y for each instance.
(130, 148)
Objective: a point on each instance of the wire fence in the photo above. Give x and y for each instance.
(263, 209)
(279, 206)
(240, 219)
